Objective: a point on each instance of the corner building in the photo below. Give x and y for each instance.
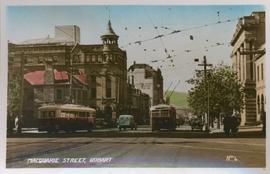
(247, 61)
(106, 68)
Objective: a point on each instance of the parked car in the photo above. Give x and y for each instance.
(196, 123)
(126, 121)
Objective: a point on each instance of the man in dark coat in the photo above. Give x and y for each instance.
(227, 125)
(234, 124)
(263, 117)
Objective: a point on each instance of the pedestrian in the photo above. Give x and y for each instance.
(234, 124)
(18, 124)
(263, 118)
(227, 125)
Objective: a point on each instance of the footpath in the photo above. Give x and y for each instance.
(184, 132)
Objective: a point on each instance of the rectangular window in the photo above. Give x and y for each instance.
(73, 96)
(258, 73)
(84, 96)
(79, 93)
(87, 59)
(99, 59)
(59, 94)
(108, 92)
(93, 58)
(93, 92)
(93, 86)
(108, 87)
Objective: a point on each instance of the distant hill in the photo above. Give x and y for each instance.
(179, 99)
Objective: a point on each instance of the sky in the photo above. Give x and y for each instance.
(200, 34)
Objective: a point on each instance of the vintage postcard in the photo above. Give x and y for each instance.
(106, 86)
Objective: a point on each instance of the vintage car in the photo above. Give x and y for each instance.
(196, 123)
(126, 121)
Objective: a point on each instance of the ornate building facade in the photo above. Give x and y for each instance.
(247, 44)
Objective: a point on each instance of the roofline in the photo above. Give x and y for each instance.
(66, 107)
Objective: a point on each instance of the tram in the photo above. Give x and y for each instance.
(163, 117)
(67, 117)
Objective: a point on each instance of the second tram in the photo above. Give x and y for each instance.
(163, 117)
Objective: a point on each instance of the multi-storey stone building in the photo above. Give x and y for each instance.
(148, 80)
(260, 81)
(98, 71)
(138, 104)
(247, 44)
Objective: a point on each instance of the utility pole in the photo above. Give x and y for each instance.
(205, 65)
(70, 81)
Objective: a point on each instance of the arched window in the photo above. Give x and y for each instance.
(93, 86)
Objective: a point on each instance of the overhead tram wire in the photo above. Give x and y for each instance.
(182, 30)
(139, 42)
(174, 89)
(168, 55)
(206, 48)
(165, 94)
(158, 33)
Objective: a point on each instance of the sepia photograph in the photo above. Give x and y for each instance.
(135, 86)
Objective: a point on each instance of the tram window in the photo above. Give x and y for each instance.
(82, 114)
(51, 114)
(71, 114)
(43, 114)
(63, 114)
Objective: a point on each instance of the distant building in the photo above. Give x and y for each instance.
(51, 86)
(68, 32)
(138, 104)
(248, 59)
(148, 80)
(64, 34)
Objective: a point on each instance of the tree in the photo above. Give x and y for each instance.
(14, 98)
(225, 92)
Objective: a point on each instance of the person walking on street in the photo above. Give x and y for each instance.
(227, 125)
(263, 117)
(234, 124)
(18, 124)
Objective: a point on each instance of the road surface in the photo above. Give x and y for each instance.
(135, 152)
